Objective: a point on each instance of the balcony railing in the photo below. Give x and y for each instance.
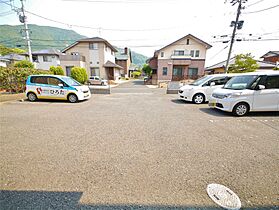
(72, 58)
(176, 56)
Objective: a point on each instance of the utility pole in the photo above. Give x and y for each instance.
(22, 19)
(236, 25)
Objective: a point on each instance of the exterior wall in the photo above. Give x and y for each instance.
(181, 45)
(41, 64)
(124, 64)
(64, 64)
(272, 59)
(82, 49)
(109, 54)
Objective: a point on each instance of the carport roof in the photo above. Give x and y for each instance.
(110, 64)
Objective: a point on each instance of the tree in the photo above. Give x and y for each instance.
(136, 74)
(147, 69)
(56, 70)
(243, 63)
(6, 50)
(79, 74)
(24, 64)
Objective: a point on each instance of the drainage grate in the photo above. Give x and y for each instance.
(223, 196)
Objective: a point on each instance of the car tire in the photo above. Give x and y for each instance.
(102, 84)
(32, 97)
(72, 98)
(240, 109)
(198, 98)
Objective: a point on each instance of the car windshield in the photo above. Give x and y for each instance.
(240, 82)
(201, 81)
(71, 82)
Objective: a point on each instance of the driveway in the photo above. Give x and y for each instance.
(137, 148)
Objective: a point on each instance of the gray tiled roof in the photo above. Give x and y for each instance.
(112, 65)
(14, 56)
(47, 52)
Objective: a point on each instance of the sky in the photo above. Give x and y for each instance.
(147, 25)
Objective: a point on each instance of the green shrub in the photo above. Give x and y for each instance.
(24, 64)
(136, 74)
(56, 70)
(147, 70)
(79, 74)
(13, 79)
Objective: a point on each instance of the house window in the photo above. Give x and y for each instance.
(192, 52)
(93, 46)
(197, 53)
(35, 58)
(188, 41)
(179, 52)
(46, 58)
(162, 54)
(193, 72)
(95, 71)
(165, 71)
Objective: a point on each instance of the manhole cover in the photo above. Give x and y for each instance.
(223, 196)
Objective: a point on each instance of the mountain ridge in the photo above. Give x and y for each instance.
(44, 37)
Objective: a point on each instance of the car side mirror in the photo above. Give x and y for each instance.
(61, 85)
(261, 87)
(212, 84)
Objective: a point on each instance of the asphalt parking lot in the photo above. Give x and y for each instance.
(136, 148)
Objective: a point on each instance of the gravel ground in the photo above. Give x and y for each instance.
(137, 148)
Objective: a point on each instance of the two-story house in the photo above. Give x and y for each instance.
(44, 59)
(271, 56)
(98, 57)
(124, 59)
(182, 59)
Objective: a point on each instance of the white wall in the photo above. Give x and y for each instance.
(109, 55)
(41, 64)
(181, 45)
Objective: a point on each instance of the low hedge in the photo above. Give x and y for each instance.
(13, 79)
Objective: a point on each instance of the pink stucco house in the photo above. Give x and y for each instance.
(180, 60)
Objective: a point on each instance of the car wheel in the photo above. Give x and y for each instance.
(32, 97)
(198, 98)
(102, 83)
(240, 109)
(72, 98)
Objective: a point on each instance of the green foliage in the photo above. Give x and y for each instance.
(13, 79)
(79, 74)
(24, 64)
(39, 33)
(243, 63)
(6, 50)
(136, 74)
(56, 70)
(276, 68)
(147, 69)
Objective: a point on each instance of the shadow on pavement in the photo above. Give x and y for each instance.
(52, 101)
(179, 101)
(138, 82)
(220, 113)
(70, 200)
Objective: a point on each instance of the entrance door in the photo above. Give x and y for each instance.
(177, 73)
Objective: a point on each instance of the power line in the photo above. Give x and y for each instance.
(94, 28)
(262, 9)
(255, 3)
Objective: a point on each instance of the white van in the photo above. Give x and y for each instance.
(55, 87)
(199, 91)
(257, 91)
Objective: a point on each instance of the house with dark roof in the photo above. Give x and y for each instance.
(10, 59)
(180, 60)
(219, 68)
(44, 59)
(97, 56)
(271, 56)
(124, 59)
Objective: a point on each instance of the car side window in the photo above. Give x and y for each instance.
(54, 81)
(39, 80)
(272, 82)
(218, 81)
(257, 82)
